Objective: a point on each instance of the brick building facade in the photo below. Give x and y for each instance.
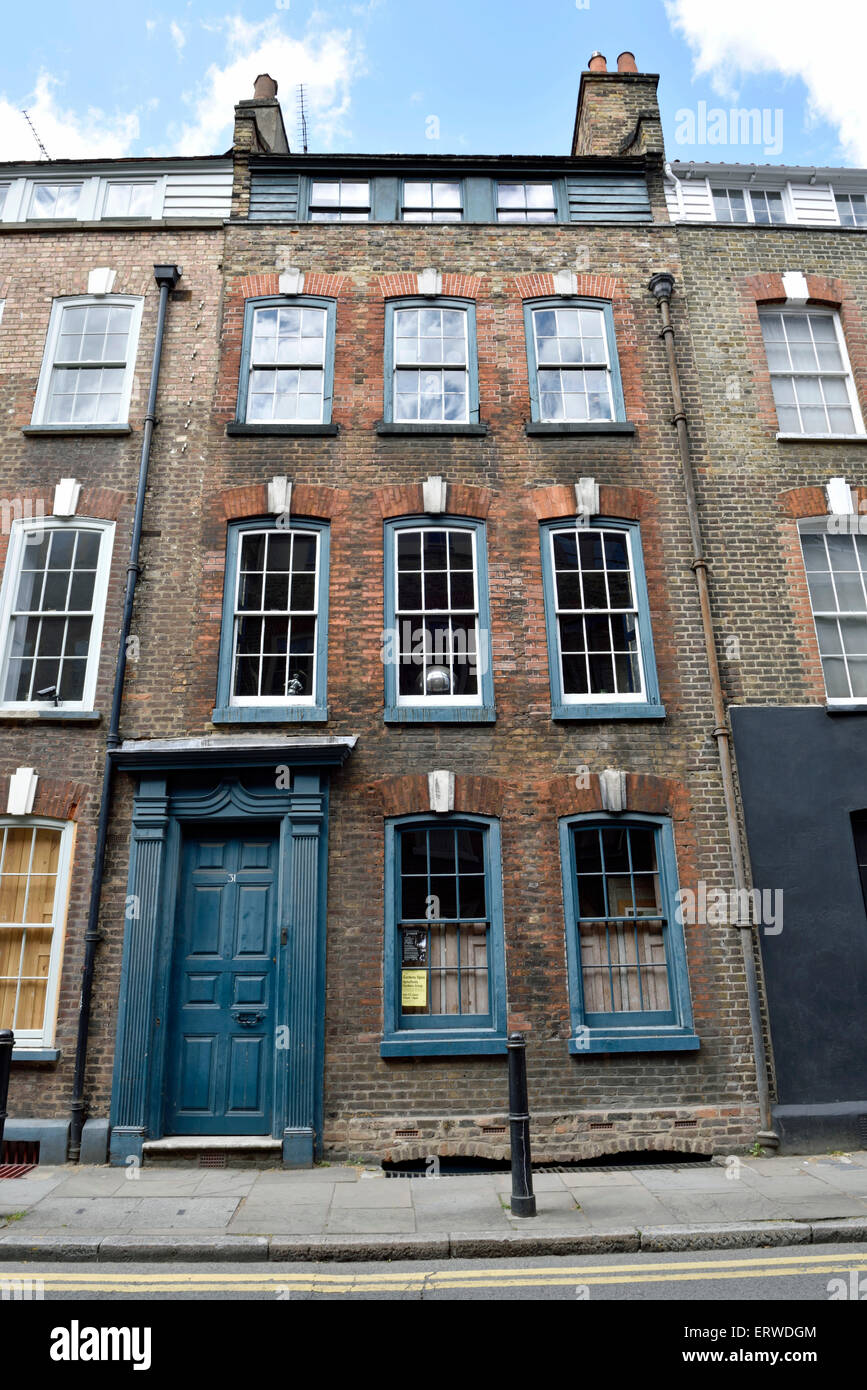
(335, 880)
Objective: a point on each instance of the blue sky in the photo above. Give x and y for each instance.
(162, 78)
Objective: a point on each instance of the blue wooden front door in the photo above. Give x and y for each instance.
(220, 1070)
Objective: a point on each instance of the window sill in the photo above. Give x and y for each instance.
(35, 1054)
(436, 1045)
(284, 431)
(543, 427)
(77, 429)
(450, 714)
(822, 438)
(270, 714)
(410, 427)
(612, 711)
(680, 1040)
(54, 715)
(859, 707)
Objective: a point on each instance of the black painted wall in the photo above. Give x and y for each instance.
(802, 774)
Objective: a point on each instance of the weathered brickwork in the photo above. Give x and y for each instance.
(35, 268)
(521, 769)
(749, 481)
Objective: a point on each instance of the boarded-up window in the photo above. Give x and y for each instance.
(30, 907)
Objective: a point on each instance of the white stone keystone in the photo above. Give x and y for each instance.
(612, 785)
(441, 791)
(430, 281)
(565, 282)
(66, 495)
(795, 287)
(587, 497)
(839, 495)
(22, 791)
(291, 281)
(100, 280)
(434, 492)
(280, 496)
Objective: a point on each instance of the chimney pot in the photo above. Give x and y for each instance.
(598, 62)
(264, 87)
(626, 62)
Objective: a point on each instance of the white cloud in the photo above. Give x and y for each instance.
(327, 62)
(179, 38)
(823, 46)
(66, 134)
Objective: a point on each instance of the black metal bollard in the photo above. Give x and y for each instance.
(523, 1201)
(7, 1042)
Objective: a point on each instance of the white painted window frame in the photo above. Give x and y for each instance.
(638, 697)
(837, 192)
(12, 570)
(136, 302)
(846, 374)
(747, 191)
(156, 182)
(439, 701)
(31, 1038)
(819, 526)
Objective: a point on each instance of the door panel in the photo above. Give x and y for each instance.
(222, 1025)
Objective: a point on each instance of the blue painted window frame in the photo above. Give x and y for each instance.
(625, 1031)
(287, 301)
(479, 712)
(443, 1035)
(227, 713)
(649, 708)
(573, 302)
(431, 302)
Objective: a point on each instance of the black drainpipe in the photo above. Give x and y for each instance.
(167, 277)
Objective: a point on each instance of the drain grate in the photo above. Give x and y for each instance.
(15, 1170)
(212, 1158)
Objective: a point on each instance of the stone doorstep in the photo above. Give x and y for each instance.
(238, 1150)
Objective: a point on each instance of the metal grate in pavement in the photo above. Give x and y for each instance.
(15, 1170)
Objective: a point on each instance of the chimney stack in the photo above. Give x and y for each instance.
(259, 127)
(259, 130)
(264, 87)
(618, 112)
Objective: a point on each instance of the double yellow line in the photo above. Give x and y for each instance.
(291, 1283)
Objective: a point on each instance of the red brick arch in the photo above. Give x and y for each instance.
(409, 795)
(462, 499)
(645, 793)
(404, 285)
(627, 503)
(94, 503)
(55, 799)
(308, 499)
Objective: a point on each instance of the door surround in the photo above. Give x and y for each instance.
(166, 799)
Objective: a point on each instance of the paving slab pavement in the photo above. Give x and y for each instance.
(172, 1213)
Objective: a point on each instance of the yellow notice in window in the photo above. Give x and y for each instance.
(413, 989)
